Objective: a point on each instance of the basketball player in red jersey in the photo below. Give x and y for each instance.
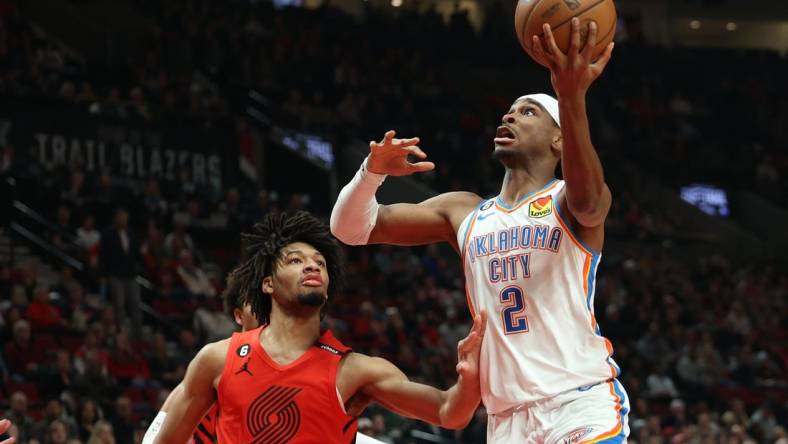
(286, 382)
(240, 310)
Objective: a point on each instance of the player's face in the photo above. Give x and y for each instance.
(300, 279)
(525, 129)
(245, 318)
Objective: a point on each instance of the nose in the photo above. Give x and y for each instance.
(508, 118)
(311, 266)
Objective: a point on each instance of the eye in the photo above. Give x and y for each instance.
(529, 112)
(321, 264)
(294, 260)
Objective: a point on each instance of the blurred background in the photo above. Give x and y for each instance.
(185, 121)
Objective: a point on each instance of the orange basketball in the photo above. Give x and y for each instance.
(532, 14)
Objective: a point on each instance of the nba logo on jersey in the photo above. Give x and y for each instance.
(541, 207)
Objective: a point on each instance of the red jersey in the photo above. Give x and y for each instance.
(263, 402)
(205, 432)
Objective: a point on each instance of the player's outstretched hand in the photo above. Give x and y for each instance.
(571, 73)
(469, 348)
(4, 426)
(390, 156)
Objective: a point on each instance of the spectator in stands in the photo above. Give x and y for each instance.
(42, 313)
(56, 433)
(119, 262)
(152, 250)
(54, 412)
(94, 381)
(102, 434)
(764, 422)
(178, 239)
(88, 416)
(59, 378)
(18, 414)
(186, 348)
(23, 358)
(75, 310)
(156, 206)
(61, 233)
(76, 192)
(123, 423)
(192, 276)
(88, 239)
(161, 362)
(125, 363)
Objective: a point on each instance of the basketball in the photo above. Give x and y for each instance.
(530, 15)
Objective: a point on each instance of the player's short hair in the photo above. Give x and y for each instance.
(265, 244)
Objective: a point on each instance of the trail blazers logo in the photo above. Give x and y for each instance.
(541, 207)
(274, 417)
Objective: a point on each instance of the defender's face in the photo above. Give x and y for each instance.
(525, 128)
(301, 270)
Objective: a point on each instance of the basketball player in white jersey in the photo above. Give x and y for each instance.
(529, 255)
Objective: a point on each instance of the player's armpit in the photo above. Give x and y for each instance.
(188, 405)
(433, 220)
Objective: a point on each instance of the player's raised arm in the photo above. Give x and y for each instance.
(358, 219)
(587, 195)
(451, 409)
(188, 405)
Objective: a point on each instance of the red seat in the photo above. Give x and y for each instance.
(71, 342)
(45, 342)
(135, 394)
(165, 308)
(30, 390)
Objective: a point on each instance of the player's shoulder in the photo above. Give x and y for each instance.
(460, 198)
(366, 367)
(213, 353)
(456, 204)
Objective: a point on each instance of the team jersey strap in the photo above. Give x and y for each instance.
(329, 343)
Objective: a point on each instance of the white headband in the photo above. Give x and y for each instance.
(549, 103)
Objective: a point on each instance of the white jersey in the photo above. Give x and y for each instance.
(536, 280)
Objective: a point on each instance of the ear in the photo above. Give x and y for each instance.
(237, 316)
(268, 285)
(557, 145)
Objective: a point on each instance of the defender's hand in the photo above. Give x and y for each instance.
(390, 156)
(4, 426)
(469, 348)
(571, 73)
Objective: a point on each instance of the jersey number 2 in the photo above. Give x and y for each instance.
(513, 312)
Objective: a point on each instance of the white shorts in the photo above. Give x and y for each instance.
(595, 414)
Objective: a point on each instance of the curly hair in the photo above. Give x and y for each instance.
(264, 248)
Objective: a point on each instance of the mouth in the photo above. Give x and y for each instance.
(312, 280)
(504, 135)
